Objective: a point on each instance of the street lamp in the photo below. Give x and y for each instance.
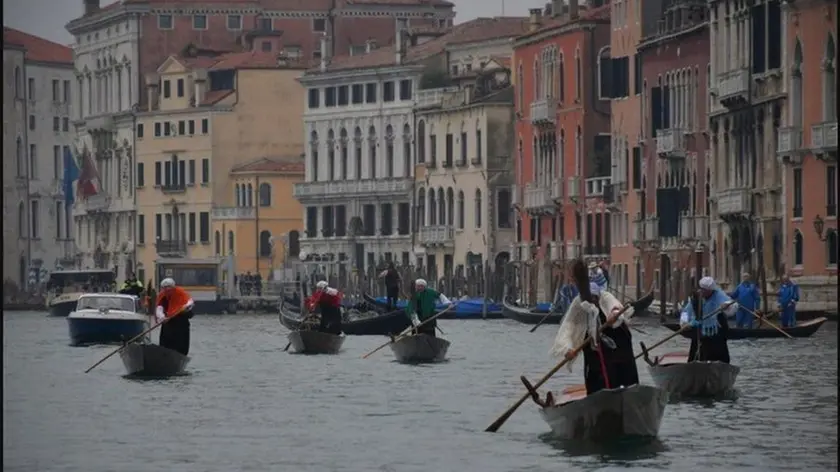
(819, 226)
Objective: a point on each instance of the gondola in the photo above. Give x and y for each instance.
(682, 379)
(606, 415)
(529, 316)
(378, 324)
(466, 309)
(419, 348)
(801, 330)
(309, 341)
(152, 360)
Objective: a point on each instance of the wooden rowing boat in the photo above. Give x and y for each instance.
(607, 414)
(419, 348)
(358, 324)
(152, 360)
(682, 379)
(529, 315)
(309, 341)
(801, 330)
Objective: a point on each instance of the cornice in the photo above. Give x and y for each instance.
(352, 75)
(537, 37)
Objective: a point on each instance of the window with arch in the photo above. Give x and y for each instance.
(604, 74)
(330, 155)
(798, 248)
(561, 78)
(372, 152)
(432, 207)
(22, 230)
(478, 208)
(19, 158)
(520, 88)
(536, 72)
(265, 195)
(829, 84)
(238, 195)
(265, 243)
(249, 196)
(479, 143)
(461, 213)
(344, 158)
(389, 151)
(421, 142)
(218, 241)
(406, 137)
(230, 242)
(578, 76)
(441, 199)
(313, 151)
(503, 207)
(450, 206)
(357, 144)
(796, 98)
(421, 208)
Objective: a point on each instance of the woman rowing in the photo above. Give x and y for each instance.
(709, 341)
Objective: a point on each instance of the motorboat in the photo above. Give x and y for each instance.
(105, 318)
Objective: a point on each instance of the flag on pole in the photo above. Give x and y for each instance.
(88, 175)
(71, 173)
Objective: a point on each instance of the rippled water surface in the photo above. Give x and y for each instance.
(248, 406)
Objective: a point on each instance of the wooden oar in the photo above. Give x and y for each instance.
(760, 319)
(132, 340)
(507, 414)
(309, 315)
(550, 312)
(408, 330)
(680, 331)
(408, 299)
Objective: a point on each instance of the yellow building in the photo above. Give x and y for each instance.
(207, 116)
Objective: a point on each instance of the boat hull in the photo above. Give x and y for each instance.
(378, 325)
(609, 414)
(802, 330)
(420, 348)
(85, 331)
(695, 379)
(62, 308)
(530, 316)
(315, 342)
(472, 309)
(152, 360)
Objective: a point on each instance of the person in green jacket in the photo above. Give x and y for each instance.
(422, 306)
(132, 286)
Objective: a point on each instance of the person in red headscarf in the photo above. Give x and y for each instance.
(328, 301)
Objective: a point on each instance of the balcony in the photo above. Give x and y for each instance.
(651, 229)
(432, 97)
(438, 235)
(824, 139)
(595, 186)
(544, 111)
(171, 247)
(734, 87)
(538, 199)
(555, 250)
(789, 145)
(97, 203)
(701, 229)
(557, 190)
(234, 213)
(173, 188)
(686, 228)
(574, 250)
(733, 202)
(573, 188)
(670, 143)
(342, 190)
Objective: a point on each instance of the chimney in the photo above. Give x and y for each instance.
(556, 8)
(152, 91)
(400, 40)
(91, 7)
(573, 9)
(200, 82)
(325, 52)
(536, 16)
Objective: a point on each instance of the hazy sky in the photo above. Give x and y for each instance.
(46, 18)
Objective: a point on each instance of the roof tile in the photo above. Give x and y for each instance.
(38, 49)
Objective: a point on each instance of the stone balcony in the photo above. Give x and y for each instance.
(734, 87)
(573, 188)
(437, 235)
(645, 231)
(432, 97)
(544, 111)
(318, 191)
(789, 145)
(171, 247)
(595, 186)
(557, 190)
(671, 143)
(537, 199)
(234, 213)
(733, 202)
(98, 203)
(824, 139)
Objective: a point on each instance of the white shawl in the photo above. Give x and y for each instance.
(582, 318)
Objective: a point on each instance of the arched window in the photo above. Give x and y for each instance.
(372, 152)
(578, 75)
(450, 206)
(421, 208)
(265, 195)
(230, 242)
(265, 243)
(604, 73)
(343, 143)
(249, 196)
(796, 104)
(406, 151)
(828, 81)
(797, 248)
(22, 221)
(389, 151)
(831, 247)
(536, 78)
(441, 198)
(218, 243)
(238, 192)
(313, 151)
(357, 147)
(330, 155)
(294, 243)
(432, 208)
(477, 208)
(20, 162)
(520, 89)
(421, 142)
(461, 215)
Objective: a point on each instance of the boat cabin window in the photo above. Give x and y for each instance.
(106, 303)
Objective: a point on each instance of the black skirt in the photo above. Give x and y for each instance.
(619, 364)
(710, 348)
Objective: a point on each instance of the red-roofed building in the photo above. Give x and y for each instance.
(36, 125)
(563, 142)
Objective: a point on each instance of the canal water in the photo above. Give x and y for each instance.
(248, 406)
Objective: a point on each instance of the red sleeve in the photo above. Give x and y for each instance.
(313, 300)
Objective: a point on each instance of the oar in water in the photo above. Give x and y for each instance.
(762, 319)
(550, 312)
(676, 333)
(507, 414)
(408, 330)
(132, 340)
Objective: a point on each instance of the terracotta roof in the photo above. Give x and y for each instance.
(598, 14)
(38, 49)
(502, 61)
(215, 96)
(290, 165)
(246, 60)
(477, 30)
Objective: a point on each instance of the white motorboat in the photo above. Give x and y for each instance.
(105, 318)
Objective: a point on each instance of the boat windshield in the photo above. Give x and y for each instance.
(106, 303)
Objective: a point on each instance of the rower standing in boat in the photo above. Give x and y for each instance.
(132, 286)
(328, 300)
(709, 341)
(392, 285)
(608, 360)
(747, 296)
(177, 305)
(423, 305)
(788, 297)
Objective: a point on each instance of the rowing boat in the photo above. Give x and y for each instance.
(419, 348)
(801, 330)
(530, 315)
(682, 379)
(354, 323)
(152, 360)
(309, 341)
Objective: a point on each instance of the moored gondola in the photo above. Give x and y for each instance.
(682, 379)
(801, 330)
(152, 360)
(466, 309)
(309, 341)
(354, 323)
(529, 316)
(419, 348)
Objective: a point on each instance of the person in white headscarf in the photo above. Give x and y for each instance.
(423, 305)
(608, 356)
(709, 341)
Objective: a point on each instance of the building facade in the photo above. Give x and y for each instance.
(807, 146)
(672, 180)
(211, 117)
(562, 140)
(37, 134)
